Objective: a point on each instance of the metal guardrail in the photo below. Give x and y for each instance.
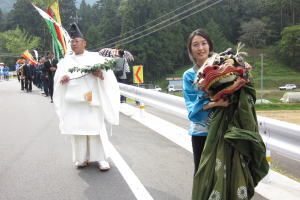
(165, 102)
(279, 136)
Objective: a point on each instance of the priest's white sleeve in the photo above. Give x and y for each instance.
(59, 90)
(110, 97)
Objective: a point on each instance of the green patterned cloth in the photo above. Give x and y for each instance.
(233, 160)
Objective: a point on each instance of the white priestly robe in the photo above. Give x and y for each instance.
(76, 115)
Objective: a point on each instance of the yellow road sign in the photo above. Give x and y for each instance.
(138, 74)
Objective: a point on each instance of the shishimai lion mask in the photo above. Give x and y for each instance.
(223, 74)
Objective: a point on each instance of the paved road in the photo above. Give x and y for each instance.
(36, 159)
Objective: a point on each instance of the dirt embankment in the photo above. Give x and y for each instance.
(291, 116)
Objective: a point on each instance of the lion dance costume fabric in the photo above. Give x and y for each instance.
(233, 160)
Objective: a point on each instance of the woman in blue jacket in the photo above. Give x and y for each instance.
(197, 102)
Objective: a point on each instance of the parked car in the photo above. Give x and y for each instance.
(174, 88)
(288, 87)
(156, 88)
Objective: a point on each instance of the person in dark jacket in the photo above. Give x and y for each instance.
(44, 76)
(121, 69)
(29, 75)
(51, 66)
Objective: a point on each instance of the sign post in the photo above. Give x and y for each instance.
(138, 78)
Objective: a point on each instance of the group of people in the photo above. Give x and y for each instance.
(84, 103)
(4, 72)
(41, 76)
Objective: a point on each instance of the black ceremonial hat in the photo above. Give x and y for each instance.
(75, 31)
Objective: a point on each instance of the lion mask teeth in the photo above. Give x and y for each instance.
(222, 80)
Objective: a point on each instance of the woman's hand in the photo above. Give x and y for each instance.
(221, 103)
(98, 74)
(248, 66)
(65, 79)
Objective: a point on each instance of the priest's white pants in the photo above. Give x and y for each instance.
(87, 148)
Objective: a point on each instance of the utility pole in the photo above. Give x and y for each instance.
(261, 75)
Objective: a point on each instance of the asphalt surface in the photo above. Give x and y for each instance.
(36, 159)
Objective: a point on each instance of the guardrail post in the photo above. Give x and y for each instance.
(267, 179)
(142, 109)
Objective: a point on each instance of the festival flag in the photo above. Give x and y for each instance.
(59, 34)
(53, 11)
(29, 57)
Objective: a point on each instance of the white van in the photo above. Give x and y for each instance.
(174, 88)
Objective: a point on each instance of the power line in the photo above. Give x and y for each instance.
(173, 22)
(164, 21)
(7, 53)
(126, 33)
(14, 56)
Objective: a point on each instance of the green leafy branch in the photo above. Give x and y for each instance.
(89, 69)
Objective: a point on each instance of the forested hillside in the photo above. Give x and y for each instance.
(155, 31)
(6, 5)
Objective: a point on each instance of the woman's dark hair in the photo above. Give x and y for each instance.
(202, 33)
(121, 53)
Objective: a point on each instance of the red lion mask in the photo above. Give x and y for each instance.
(227, 75)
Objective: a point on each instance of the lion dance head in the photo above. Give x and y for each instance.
(227, 74)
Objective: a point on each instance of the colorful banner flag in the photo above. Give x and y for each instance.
(53, 11)
(62, 40)
(29, 57)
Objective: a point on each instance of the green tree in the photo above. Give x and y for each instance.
(110, 23)
(290, 45)
(285, 12)
(43, 3)
(1, 20)
(279, 14)
(216, 33)
(160, 52)
(24, 15)
(85, 12)
(254, 33)
(68, 12)
(16, 41)
(91, 36)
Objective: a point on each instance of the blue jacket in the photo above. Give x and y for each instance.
(6, 70)
(195, 99)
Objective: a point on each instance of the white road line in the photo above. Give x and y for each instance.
(131, 179)
(170, 131)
